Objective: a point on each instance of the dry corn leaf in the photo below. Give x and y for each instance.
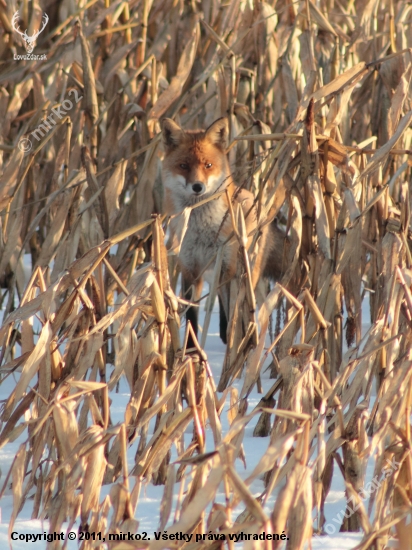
(321, 218)
(203, 496)
(29, 369)
(320, 19)
(93, 476)
(183, 71)
(382, 153)
(18, 471)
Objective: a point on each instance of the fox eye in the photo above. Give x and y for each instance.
(184, 166)
(208, 165)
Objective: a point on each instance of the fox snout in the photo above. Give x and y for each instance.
(198, 188)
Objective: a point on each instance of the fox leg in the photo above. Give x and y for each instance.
(224, 310)
(222, 321)
(192, 289)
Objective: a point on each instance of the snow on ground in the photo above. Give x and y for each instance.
(147, 511)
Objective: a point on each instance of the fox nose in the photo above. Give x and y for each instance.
(198, 187)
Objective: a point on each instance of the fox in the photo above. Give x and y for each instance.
(196, 167)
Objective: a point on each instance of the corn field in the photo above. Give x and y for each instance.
(319, 103)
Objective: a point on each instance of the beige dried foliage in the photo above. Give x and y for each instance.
(319, 106)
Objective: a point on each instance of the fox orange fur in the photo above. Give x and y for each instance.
(196, 167)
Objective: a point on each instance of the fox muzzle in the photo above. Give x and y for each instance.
(198, 187)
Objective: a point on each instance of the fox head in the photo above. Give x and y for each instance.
(195, 163)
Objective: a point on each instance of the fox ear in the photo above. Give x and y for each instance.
(171, 133)
(218, 133)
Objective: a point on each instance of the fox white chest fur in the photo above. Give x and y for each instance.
(206, 231)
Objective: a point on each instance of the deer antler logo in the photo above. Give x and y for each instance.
(29, 41)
